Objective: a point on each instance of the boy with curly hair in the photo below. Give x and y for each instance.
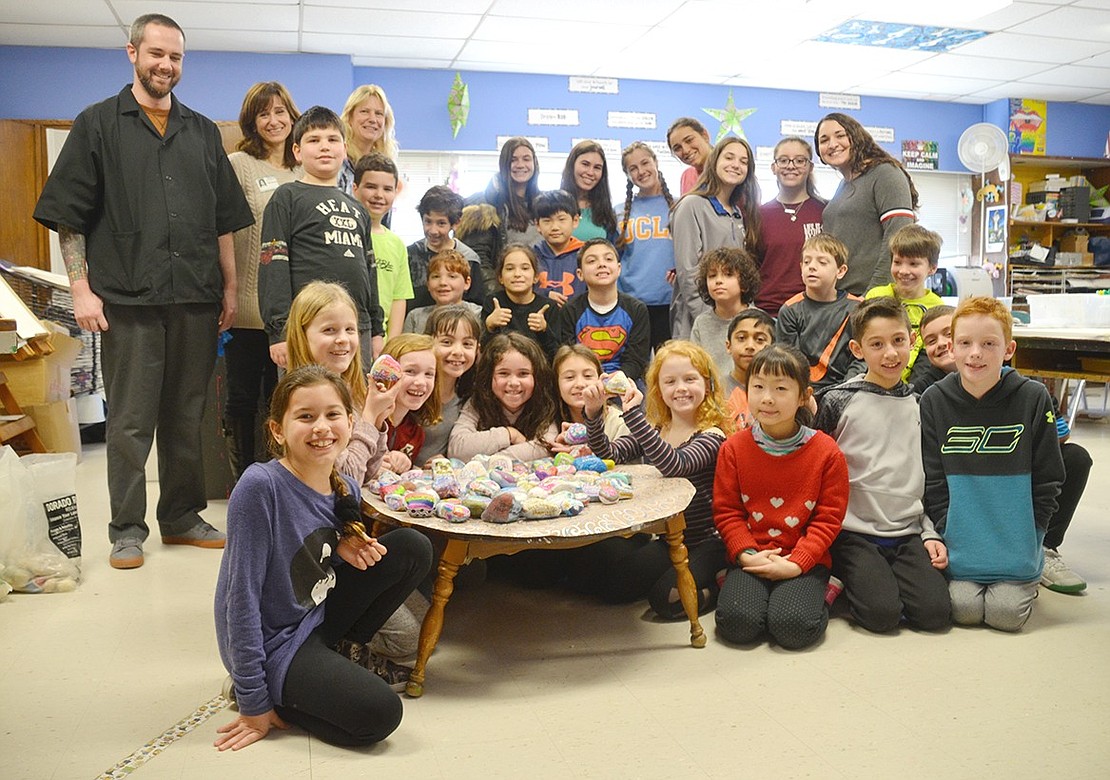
(728, 281)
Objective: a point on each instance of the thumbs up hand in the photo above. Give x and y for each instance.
(537, 321)
(499, 317)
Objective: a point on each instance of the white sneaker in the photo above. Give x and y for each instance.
(1058, 577)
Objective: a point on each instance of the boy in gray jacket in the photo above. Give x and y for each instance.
(887, 554)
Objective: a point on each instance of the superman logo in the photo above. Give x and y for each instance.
(604, 341)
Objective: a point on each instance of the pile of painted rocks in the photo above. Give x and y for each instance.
(500, 490)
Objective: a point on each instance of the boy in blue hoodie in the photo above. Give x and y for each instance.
(992, 470)
(556, 218)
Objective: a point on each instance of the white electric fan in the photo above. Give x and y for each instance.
(982, 148)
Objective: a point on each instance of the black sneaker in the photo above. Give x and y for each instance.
(395, 675)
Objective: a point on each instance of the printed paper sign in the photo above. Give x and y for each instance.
(594, 85)
(537, 141)
(797, 127)
(884, 135)
(659, 147)
(838, 100)
(611, 146)
(567, 117)
(636, 120)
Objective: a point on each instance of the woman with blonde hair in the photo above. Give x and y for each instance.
(369, 126)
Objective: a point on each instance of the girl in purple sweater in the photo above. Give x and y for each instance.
(295, 538)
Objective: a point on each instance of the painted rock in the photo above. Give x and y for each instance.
(616, 383)
(453, 511)
(504, 508)
(386, 371)
(590, 463)
(540, 508)
(475, 503)
(421, 503)
(607, 494)
(576, 434)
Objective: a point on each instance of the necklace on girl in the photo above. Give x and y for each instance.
(792, 209)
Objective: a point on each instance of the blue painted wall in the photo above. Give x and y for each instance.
(56, 83)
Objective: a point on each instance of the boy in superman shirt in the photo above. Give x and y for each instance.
(992, 470)
(614, 325)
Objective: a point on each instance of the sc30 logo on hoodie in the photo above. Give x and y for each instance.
(993, 440)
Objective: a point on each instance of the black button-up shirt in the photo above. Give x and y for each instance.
(150, 207)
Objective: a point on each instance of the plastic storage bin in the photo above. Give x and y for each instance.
(1061, 310)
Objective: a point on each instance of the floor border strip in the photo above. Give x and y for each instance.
(175, 732)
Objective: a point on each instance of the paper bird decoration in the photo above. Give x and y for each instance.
(730, 118)
(458, 105)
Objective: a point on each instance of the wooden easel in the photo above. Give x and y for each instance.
(21, 429)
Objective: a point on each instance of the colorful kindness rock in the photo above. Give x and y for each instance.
(616, 383)
(504, 508)
(607, 494)
(536, 508)
(386, 371)
(452, 510)
(576, 434)
(590, 463)
(421, 503)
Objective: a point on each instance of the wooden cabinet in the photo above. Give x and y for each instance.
(1027, 170)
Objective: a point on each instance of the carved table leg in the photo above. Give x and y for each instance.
(686, 589)
(453, 557)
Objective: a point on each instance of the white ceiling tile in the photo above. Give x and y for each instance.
(1100, 100)
(1032, 47)
(62, 35)
(1086, 24)
(1038, 92)
(925, 84)
(544, 55)
(524, 33)
(74, 13)
(422, 63)
(380, 46)
(1092, 4)
(319, 19)
(930, 15)
(1098, 61)
(977, 67)
(457, 6)
(1073, 75)
(241, 40)
(641, 12)
(216, 16)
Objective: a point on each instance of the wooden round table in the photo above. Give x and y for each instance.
(657, 507)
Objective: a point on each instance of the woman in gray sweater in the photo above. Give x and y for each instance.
(876, 198)
(722, 210)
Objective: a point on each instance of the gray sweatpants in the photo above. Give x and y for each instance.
(1002, 605)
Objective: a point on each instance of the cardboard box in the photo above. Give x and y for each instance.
(56, 424)
(1077, 243)
(46, 379)
(1088, 259)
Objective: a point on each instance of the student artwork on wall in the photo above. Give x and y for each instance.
(730, 118)
(1028, 126)
(996, 229)
(920, 155)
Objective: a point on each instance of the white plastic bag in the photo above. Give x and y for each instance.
(40, 536)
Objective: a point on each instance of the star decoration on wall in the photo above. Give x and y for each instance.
(730, 118)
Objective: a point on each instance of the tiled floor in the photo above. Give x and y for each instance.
(543, 684)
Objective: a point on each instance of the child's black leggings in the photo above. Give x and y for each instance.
(621, 570)
(336, 700)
